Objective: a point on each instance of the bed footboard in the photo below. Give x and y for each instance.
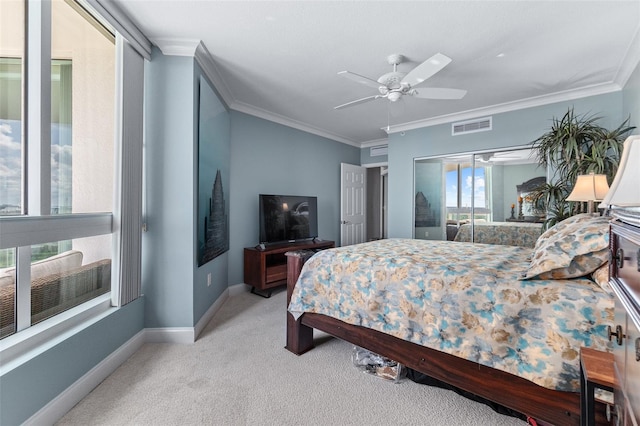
(546, 406)
(299, 336)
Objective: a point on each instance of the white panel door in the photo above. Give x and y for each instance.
(353, 206)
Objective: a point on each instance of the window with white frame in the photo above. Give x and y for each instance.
(57, 159)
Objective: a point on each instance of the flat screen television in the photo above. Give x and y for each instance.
(287, 218)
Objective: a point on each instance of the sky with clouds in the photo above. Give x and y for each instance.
(11, 169)
(467, 180)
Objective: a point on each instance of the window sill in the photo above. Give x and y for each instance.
(27, 344)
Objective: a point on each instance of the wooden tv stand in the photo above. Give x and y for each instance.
(266, 269)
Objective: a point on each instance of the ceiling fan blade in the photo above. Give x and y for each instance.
(358, 101)
(439, 93)
(360, 79)
(426, 69)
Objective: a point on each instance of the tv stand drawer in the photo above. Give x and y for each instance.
(276, 273)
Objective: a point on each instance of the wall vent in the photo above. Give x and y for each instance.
(471, 126)
(376, 151)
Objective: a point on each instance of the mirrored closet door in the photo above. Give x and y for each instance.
(454, 194)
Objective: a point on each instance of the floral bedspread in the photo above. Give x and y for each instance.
(463, 299)
(523, 234)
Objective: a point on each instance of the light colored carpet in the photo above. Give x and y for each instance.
(238, 373)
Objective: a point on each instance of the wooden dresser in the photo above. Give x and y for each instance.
(625, 333)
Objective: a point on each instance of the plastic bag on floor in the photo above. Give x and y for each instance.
(377, 365)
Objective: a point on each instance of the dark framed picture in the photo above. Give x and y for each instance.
(213, 175)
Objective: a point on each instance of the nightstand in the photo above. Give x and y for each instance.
(596, 371)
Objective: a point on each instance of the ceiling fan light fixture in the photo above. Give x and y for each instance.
(394, 96)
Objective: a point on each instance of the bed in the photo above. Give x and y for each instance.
(505, 323)
(524, 234)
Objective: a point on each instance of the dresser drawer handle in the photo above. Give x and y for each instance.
(619, 258)
(619, 334)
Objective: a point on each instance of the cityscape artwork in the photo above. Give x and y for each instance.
(213, 175)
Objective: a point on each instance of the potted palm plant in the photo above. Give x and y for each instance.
(574, 145)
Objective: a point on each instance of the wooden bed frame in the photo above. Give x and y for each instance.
(545, 406)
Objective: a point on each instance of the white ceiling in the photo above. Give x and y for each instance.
(279, 60)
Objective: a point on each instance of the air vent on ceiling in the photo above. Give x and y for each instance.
(376, 151)
(471, 126)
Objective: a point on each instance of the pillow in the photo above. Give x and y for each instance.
(574, 249)
(558, 227)
(601, 277)
(56, 264)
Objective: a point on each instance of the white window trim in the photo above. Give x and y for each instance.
(20, 231)
(37, 108)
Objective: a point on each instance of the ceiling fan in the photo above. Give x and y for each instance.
(395, 84)
(505, 157)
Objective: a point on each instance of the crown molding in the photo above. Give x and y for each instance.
(176, 47)
(280, 119)
(197, 50)
(211, 70)
(630, 62)
(567, 95)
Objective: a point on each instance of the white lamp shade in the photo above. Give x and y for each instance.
(625, 188)
(589, 188)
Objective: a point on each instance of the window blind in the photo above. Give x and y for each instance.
(128, 203)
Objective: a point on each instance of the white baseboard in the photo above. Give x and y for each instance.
(61, 404)
(183, 335)
(190, 334)
(200, 325)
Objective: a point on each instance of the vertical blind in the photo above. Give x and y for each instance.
(128, 203)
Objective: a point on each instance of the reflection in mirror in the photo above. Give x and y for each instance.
(456, 194)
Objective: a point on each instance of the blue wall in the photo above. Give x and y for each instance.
(515, 128)
(176, 289)
(168, 247)
(264, 157)
(27, 388)
(270, 158)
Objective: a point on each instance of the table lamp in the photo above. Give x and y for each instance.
(625, 188)
(589, 188)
